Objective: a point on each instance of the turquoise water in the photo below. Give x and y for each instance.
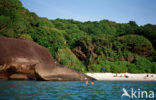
(77, 90)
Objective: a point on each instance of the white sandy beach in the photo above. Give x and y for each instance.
(123, 76)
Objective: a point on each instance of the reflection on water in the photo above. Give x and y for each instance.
(77, 90)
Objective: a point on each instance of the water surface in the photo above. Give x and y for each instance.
(73, 90)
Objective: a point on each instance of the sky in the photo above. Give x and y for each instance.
(120, 11)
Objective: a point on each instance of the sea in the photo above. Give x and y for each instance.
(77, 90)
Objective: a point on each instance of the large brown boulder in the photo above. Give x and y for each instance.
(20, 56)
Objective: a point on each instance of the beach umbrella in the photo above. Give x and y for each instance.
(103, 69)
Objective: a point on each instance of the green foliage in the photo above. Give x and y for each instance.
(84, 46)
(137, 44)
(135, 40)
(114, 67)
(27, 37)
(67, 58)
(4, 21)
(154, 67)
(144, 65)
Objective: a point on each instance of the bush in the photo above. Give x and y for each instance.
(27, 37)
(138, 44)
(114, 67)
(132, 68)
(144, 65)
(119, 67)
(154, 67)
(66, 57)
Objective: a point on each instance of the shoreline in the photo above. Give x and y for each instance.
(123, 76)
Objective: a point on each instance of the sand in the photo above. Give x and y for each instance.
(123, 76)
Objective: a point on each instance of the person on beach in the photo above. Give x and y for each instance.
(151, 75)
(126, 76)
(116, 75)
(121, 75)
(147, 75)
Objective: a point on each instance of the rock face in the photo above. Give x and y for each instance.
(18, 77)
(20, 58)
(52, 71)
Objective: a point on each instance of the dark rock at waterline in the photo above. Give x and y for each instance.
(52, 71)
(20, 59)
(18, 77)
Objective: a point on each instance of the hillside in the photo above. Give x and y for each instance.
(84, 46)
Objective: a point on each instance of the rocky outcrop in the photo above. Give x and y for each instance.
(52, 71)
(20, 58)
